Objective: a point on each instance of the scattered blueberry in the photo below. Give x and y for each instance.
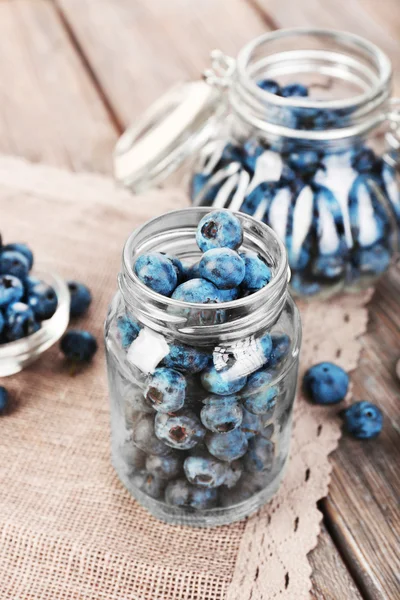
(186, 358)
(166, 390)
(14, 263)
(43, 300)
(181, 493)
(198, 291)
(220, 382)
(4, 398)
(221, 414)
(165, 467)
(128, 330)
(22, 249)
(227, 446)
(80, 298)
(157, 272)
(19, 322)
(219, 229)
(78, 346)
(11, 290)
(257, 272)
(223, 267)
(259, 456)
(205, 470)
(363, 420)
(181, 431)
(326, 383)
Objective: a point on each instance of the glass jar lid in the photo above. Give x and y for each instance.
(174, 127)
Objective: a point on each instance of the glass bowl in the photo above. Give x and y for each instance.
(15, 356)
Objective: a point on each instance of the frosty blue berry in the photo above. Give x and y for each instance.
(22, 249)
(326, 383)
(257, 273)
(14, 263)
(157, 272)
(43, 301)
(185, 495)
(260, 455)
(221, 382)
(19, 322)
(186, 358)
(165, 467)
(219, 229)
(223, 267)
(181, 431)
(11, 290)
(128, 330)
(221, 414)
(363, 420)
(166, 390)
(198, 291)
(227, 446)
(205, 470)
(259, 396)
(78, 345)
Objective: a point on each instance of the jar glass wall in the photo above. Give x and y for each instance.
(303, 149)
(201, 395)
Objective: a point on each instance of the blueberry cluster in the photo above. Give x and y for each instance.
(335, 208)
(224, 273)
(201, 438)
(327, 383)
(25, 301)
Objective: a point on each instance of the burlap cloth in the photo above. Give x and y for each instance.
(69, 530)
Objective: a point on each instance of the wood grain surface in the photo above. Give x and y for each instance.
(73, 73)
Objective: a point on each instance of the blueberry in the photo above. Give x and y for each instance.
(181, 431)
(182, 493)
(186, 358)
(157, 272)
(144, 436)
(205, 470)
(149, 484)
(219, 382)
(80, 298)
(14, 263)
(326, 383)
(177, 264)
(227, 446)
(305, 162)
(280, 349)
(372, 261)
(20, 322)
(197, 290)
(22, 249)
(302, 287)
(363, 159)
(43, 301)
(164, 467)
(259, 397)
(257, 272)
(269, 85)
(229, 295)
(223, 267)
(363, 420)
(78, 345)
(166, 390)
(294, 90)
(221, 414)
(4, 399)
(30, 282)
(253, 425)
(265, 345)
(219, 229)
(11, 290)
(259, 456)
(128, 330)
(132, 456)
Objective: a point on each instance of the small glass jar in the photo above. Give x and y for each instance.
(317, 163)
(201, 394)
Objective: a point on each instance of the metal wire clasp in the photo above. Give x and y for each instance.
(221, 71)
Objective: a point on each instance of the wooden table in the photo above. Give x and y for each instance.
(74, 73)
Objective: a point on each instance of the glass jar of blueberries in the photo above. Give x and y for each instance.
(202, 344)
(300, 132)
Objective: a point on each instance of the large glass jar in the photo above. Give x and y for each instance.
(301, 133)
(201, 394)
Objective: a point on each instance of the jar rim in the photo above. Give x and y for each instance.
(382, 62)
(276, 289)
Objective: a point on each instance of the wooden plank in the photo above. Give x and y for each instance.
(140, 49)
(331, 579)
(50, 110)
(377, 21)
